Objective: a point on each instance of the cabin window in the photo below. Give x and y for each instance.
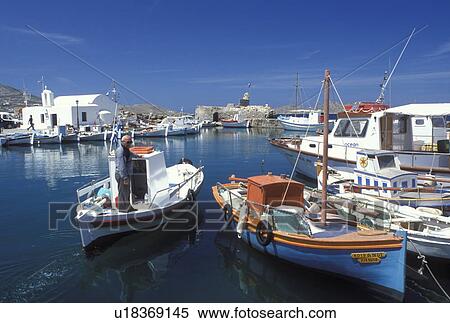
(386, 161)
(375, 183)
(413, 183)
(395, 184)
(400, 126)
(420, 122)
(359, 180)
(42, 118)
(345, 128)
(405, 184)
(368, 181)
(438, 122)
(83, 116)
(384, 186)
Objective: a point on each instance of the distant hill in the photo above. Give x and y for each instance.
(12, 98)
(335, 107)
(145, 108)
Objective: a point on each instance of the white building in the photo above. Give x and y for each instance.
(93, 109)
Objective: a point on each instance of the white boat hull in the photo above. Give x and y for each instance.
(242, 124)
(93, 137)
(46, 140)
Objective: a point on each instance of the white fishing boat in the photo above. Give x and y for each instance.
(93, 133)
(157, 194)
(43, 139)
(18, 139)
(309, 120)
(392, 197)
(236, 122)
(149, 133)
(378, 174)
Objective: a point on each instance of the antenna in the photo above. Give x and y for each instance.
(42, 82)
(386, 80)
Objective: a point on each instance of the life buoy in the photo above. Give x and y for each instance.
(264, 233)
(142, 150)
(185, 161)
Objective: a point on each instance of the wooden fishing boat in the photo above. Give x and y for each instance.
(270, 213)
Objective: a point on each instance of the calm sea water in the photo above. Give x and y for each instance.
(39, 265)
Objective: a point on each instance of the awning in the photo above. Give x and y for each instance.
(422, 109)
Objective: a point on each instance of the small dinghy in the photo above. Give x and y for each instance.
(156, 191)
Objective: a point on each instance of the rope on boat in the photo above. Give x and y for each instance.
(425, 264)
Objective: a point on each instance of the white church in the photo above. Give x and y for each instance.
(73, 110)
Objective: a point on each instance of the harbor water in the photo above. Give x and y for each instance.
(198, 265)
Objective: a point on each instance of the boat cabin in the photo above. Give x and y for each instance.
(382, 169)
(265, 190)
(413, 127)
(149, 182)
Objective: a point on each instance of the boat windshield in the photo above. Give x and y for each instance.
(345, 128)
(290, 220)
(387, 161)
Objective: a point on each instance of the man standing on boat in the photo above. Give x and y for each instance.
(124, 170)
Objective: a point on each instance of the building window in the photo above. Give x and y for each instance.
(367, 181)
(83, 116)
(42, 118)
(395, 184)
(405, 184)
(385, 186)
(413, 182)
(360, 180)
(375, 183)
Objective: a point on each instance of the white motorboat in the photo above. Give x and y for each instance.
(149, 133)
(157, 194)
(18, 139)
(309, 120)
(42, 139)
(236, 122)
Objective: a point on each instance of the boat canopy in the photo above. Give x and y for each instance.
(422, 109)
(270, 190)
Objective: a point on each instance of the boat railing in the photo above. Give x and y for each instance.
(179, 186)
(91, 186)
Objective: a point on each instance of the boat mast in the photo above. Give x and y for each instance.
(296, 93)
(386, 80)
(326, 107)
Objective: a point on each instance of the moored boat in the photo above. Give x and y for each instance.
(273, 216)
(156, 192)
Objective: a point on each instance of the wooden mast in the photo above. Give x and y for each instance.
(326, 107)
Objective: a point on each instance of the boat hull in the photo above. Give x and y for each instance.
(388, 275)
(242, 124)
(300, 127)
(67, 139)
(46, 140)
(19, 141)
(93, 137)
(151, 134)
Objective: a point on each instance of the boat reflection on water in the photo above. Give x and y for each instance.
(140, 262)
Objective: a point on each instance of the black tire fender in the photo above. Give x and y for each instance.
(264, 233)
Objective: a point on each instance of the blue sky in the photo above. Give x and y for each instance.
(184, 53)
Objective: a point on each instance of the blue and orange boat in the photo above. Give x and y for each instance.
(274, 215)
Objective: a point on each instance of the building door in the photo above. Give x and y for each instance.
(54, 120)
(216, 117)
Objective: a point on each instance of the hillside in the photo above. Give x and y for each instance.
(12, 98)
